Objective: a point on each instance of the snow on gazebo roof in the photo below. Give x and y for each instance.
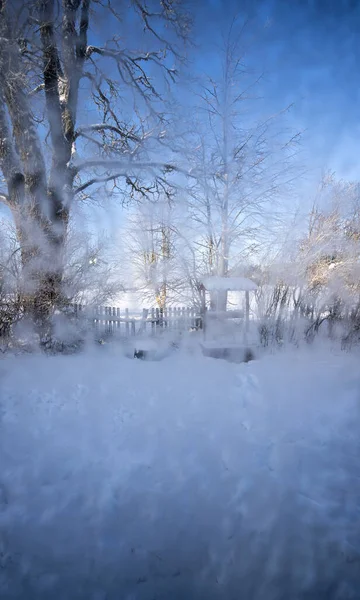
(230, 284)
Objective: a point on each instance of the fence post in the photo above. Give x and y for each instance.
(144, 319)
(157, 318)
(95, 320)
(247, 311)
(178, 317)
(105, 319)
(193, 317)
(127, 331)
(183, 318)
(118, 322)
(113, 320)
(101, 318)
(188, 319)
(152, 321)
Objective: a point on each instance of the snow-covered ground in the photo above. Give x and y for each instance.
(188, 478)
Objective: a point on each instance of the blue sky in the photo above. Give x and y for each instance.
(309, 53)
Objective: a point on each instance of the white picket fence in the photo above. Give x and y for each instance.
(111, 320)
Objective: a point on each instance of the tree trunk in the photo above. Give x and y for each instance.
(42, 247)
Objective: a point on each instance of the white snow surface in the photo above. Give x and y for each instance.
(240, 284)
(188, 478)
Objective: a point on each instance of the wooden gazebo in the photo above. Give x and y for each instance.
(220, 340)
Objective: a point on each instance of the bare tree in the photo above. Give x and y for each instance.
(91, 274)
(240, 163)
(51, 153)
(10, 290)
(311, 283)
(153, 253)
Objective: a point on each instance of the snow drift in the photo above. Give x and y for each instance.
(187, 478)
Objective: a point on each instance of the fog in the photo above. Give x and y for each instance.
(186, 478)
(179, 300)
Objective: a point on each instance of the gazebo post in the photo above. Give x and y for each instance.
(247, 315)
(215, 285)
(247, 310)
(203, 309)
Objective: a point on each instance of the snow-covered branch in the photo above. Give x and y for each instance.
(126, 165)
(102, 127)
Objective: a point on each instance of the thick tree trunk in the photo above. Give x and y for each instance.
(42, 248)
(40, 192)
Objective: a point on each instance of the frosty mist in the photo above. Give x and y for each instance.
(146, 148)
(224, 480)
(128, 148)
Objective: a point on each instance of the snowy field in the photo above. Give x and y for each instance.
(189, 478)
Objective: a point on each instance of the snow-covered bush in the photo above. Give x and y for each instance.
(11, 298)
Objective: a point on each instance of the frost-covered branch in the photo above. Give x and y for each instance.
(92, 163)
